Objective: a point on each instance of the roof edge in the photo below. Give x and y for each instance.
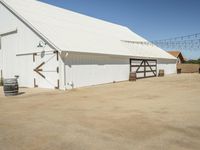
(29, 25)
(118, 55)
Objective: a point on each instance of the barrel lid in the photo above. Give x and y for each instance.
(10, 80)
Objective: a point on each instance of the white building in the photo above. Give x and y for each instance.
(50, 47)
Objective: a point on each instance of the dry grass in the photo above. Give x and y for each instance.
(150, 114)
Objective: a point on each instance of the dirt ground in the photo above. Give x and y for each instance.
(150, 114)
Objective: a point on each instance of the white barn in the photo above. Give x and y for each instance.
(50, 47)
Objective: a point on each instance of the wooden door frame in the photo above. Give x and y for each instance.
(144, 63)
(39, 69)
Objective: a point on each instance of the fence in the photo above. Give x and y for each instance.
(188, 68)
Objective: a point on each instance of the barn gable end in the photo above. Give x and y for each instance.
(18, 47)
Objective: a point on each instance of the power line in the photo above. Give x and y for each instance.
(187, 42)
(191, 36)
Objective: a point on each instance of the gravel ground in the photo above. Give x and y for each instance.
(150, 114)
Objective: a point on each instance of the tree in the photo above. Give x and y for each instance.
(193, 61)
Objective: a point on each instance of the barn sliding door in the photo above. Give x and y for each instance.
(144, 68)
(46, 69)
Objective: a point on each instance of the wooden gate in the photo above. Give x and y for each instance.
(46, 69)
(144, 68)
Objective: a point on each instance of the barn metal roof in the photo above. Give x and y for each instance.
(74, 32)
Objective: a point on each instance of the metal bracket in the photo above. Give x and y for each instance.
(38, 70)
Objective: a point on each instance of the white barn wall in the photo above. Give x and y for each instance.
(9, 55)
(16, 54)
(1, 63)
(79, 68)
(87, 69)
(168, 65)
(25, 71)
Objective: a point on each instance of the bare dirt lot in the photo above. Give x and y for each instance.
(150, 114)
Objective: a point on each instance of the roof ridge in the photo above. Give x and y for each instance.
(78, 13)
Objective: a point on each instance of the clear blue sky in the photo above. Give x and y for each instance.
(152, 19)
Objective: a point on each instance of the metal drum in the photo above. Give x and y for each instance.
(178, 71)
(161, 73)
(132, 76)
(10, 87)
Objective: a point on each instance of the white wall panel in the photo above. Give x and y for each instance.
(25, 70)
(168, 65)
(9, 61)
(1, 62)
(49, 70)
(85, 70)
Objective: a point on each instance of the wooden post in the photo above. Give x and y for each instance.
(58, 84)
(57, 55)
(1, 78)
(1, 73)
(35, 85)
(144, 68)
(34, 54)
